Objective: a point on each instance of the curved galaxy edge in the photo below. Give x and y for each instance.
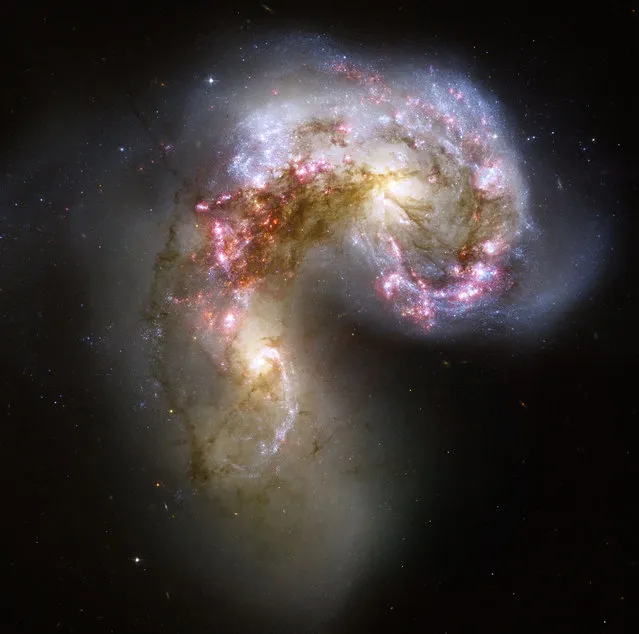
(395, 192)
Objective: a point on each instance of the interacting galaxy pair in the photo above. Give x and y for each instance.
(404, 172)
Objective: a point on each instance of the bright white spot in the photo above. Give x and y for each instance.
(490, 248)
(261, 362)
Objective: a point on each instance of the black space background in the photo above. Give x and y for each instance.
(559, 554)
